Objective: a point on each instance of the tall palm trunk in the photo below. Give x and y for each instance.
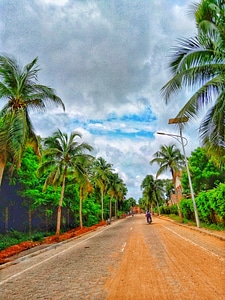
(2, 164)
(110, 208)
(80, 208)
(157, 203)
(102, 203)
(59, 213)
(115, 209)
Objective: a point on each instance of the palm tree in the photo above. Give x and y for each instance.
(199, 63)
(148, 191)
(113, 189)
(22, 93)
(158, 188)
(117, 191)
(81, 175)
(101, 172)
(63, 156)
(169, 158)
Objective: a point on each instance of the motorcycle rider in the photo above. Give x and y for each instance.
(148, 216)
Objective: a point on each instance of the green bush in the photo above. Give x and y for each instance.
(187, 210)
(168, 210)
(12, 238)
(15, 237)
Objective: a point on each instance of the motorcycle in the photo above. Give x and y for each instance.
(149, 220)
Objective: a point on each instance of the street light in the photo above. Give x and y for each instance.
(183, 141)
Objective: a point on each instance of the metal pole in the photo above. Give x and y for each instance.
(189, 179)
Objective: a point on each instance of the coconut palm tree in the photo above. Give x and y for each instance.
(148, 191)
(22, 93)
(63, 156)
(117, 191)
(169, 158)
(101, 172)
(152, 191)
(81, 175)
(113, 189)
(199, 63)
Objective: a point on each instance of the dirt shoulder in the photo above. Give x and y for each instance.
(166, 261)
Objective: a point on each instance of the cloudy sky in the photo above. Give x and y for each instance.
(107, 60)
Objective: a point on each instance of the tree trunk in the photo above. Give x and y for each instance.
(115, 210)
(110, 208)
(59, 213)
(30, 221)
(2, 166)
(80, 208)
(102, 202)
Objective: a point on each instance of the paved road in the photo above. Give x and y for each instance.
(91, 266)
(75, 270)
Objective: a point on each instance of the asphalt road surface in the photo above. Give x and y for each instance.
(128, 259)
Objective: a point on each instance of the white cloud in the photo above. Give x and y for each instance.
(56, 2)
(107, 60)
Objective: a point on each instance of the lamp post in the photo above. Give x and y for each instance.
(181, 140)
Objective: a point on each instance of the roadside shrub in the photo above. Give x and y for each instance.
(211, 205)
(168, 210)
(187, 210)
(91, 220)
(12, 238)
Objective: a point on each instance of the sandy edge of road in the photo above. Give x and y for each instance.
(167, 269)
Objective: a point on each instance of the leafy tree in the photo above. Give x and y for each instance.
(63, 154)
(199, 63)
(22, 93)
(91, 211)
(130, 202)
(211, 205)
(204, 174)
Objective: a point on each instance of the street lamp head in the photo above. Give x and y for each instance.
(181, 139)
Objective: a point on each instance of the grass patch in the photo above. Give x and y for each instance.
(216, 227)
(15, 237)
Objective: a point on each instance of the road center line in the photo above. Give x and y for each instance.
(123, 246)
(47, 259)
(193, 243)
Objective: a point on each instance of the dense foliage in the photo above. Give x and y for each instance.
(204, 174)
